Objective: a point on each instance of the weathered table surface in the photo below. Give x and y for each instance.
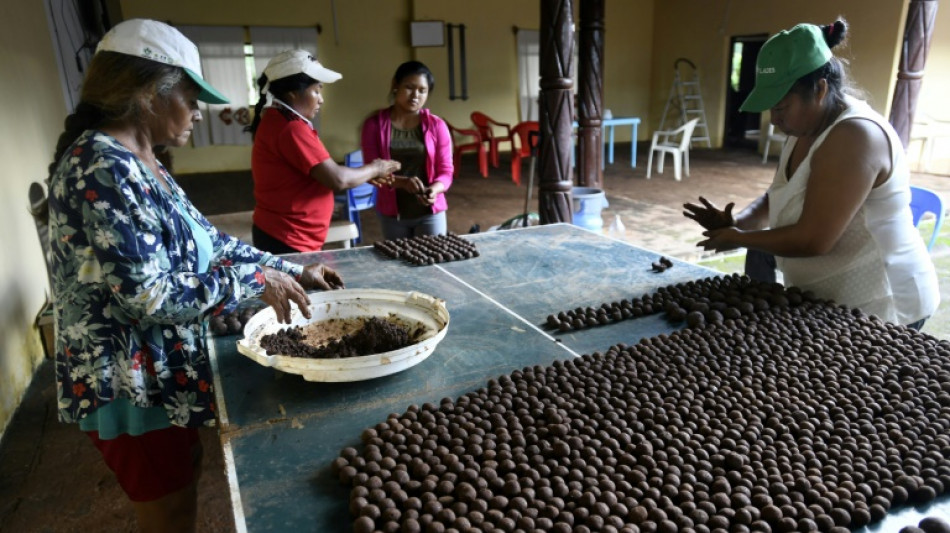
(280, 432)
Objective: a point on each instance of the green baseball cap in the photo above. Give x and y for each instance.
(785, 57)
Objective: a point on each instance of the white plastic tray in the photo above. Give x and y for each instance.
(349, 303)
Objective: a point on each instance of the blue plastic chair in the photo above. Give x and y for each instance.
(358, 198)
(926, 201)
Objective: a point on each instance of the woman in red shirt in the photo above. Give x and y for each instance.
(294, 176)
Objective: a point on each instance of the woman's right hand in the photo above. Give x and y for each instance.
(279, 290)
(384, 169)
(411, 184)
(709, 216)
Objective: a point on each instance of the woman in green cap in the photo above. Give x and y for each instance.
(837, 215)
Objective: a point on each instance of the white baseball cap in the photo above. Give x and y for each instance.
(290, 62)
(157, 41)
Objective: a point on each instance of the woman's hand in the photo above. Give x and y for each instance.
(320, 276)
(428, 196)
(384, 168)
(721, 239)
(279, 290)
(709, 216)
(411, 184)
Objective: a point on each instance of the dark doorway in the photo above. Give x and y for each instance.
(741, 129)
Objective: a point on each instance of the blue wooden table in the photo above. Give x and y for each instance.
(608, 125)
(280, 432)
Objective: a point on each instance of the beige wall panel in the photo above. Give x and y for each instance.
(32, 106)
(700, 31)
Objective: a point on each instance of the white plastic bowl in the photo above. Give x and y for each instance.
(416, 307)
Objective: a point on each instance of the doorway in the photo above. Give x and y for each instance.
(742, 129)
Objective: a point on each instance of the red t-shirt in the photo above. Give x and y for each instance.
(290, 205)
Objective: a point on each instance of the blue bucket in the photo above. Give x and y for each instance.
(588, 203)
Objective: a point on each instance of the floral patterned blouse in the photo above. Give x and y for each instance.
(129, 306)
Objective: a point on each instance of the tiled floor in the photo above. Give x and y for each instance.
(52, 479)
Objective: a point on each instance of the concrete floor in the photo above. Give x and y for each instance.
(52, 479)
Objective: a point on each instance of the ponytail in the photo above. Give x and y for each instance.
(259, 107)
(834, 72)
(280, 88)
(86, 116)
(835, 32)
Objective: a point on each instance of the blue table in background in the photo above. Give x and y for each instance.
(280, 433)
(608, 125)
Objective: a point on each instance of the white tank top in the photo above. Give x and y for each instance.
(880, 264)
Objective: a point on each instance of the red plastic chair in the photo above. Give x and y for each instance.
(522, 132)
(475, 145)
(486, 128)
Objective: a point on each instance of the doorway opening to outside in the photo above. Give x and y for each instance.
(742, 129)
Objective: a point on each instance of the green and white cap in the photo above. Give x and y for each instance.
(157, 41)
(785, 57)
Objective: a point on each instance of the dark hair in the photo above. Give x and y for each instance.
(113, 90)
(412, 68)
(280, 89)
(834, 72)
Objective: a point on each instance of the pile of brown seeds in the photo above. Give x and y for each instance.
(930, 524)
(797, 415)
(428, 249)
(709, 300)
(233, 323)
(377, 335)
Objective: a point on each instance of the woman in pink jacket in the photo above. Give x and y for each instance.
(406, 132)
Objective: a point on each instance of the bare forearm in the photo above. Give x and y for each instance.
(338, 178)
(755, 215)
(788, 241)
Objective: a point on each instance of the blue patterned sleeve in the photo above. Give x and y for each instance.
(137, 248)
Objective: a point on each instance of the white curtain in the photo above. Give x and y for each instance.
(224, 67)
(529, 74)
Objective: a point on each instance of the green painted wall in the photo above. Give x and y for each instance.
(31, 104)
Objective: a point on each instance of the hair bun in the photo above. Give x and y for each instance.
(835, 32)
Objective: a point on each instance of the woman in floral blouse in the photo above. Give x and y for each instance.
(137, 270)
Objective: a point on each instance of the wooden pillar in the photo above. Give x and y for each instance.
(556, 112)
(590, 93)
(918, 32)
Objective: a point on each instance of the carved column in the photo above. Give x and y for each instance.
(556, 112)
(590, 93)
(918, 32)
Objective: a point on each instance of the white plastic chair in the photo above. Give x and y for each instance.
(769, 137)
(673, 142)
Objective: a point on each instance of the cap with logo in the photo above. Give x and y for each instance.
(157, 41)
(290, 62)
(783, 59)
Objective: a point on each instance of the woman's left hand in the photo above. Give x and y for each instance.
(721, 239)
(320, 276)
(428, 196)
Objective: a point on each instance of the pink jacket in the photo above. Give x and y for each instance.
(438, 141)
